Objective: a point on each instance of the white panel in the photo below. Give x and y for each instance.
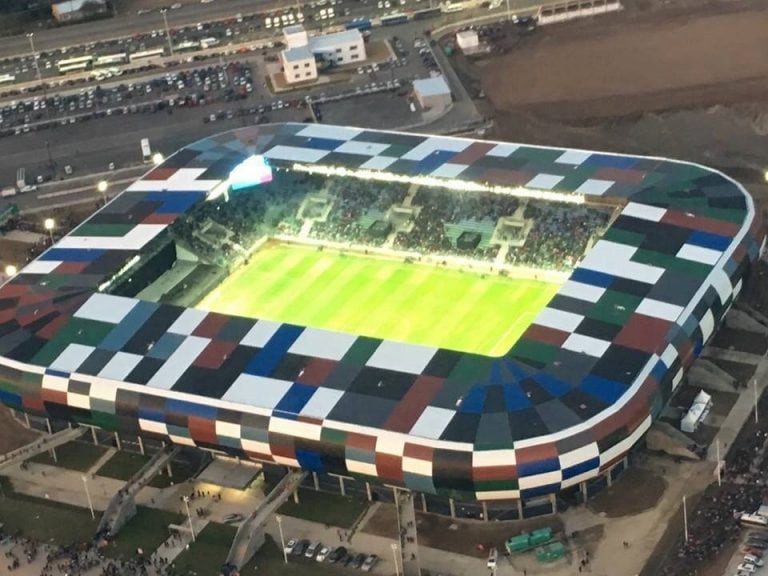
(329, 131)
(594, 187)
(503, 150)
(378, 163)
(623, 446)
(537, 480)
(544, 181)
(432, 422)
(403, 357)
(417, 466)
(707, 325)
(737, 289)
(137, 238)
(78, 401)
(573, 480)
(722, 284)
(574, 157)
(51, 382)
(228, 429)
(257, 391)
(558, 319)
(255, 446)
(498, 495)
(71, 358)
(449, 170)
(120, 365)
(101, 390)
(40, 267)
(259, 335)
(174, 184)
(322, 344)
(106, 308)
(433, 144)
(285, 461)
(152, 426)
(586, 344)
(187, 322)
(644, 211)
(322, 402)
(669, 356)
(659, 309)
(295, 428)
(362, 148)
(357, 467)
(178, 362)
(613, 258)
(181, 440)
(582, 291)
(699, 254)
(390, 443)
(485, 458)
(295, 154)
(579, 455)
(677, 379)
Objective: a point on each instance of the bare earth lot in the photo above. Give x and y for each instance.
(635, 62)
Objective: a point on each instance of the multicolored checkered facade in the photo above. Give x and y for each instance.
(570, 398)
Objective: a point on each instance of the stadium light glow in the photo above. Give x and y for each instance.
(435, 181)
(157, 158)
(11, 270)
(252, 171)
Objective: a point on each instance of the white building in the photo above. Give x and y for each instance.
(432, 92)
(300, 57)
(299, 65)
(468, 40)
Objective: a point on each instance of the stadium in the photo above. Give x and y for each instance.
(489, 325)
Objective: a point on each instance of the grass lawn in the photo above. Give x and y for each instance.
(147, 530)
(269, 560)
(123, 465)
(382, 298)
(45, 520)
(333, 509)
(206, 555)
(78, 456)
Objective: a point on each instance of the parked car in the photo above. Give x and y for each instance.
(312, 549)
(744, 567)
(323, 554)
(357, 560)
(232, 518)
(337, 554)
(290, 546)
(370, 562)
(301, 548)
(347, 560)
(752, 559)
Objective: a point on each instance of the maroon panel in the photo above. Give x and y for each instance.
(283, 450)
(702, 223)
(259, 456)
(412, 405)
(505, 177)
(310, 420)
(202, 429)
(160, 219)
(48, 331)
(620, 175)
(361, 441)
(536, 453)
(316, 371)
(494, 473)
(215, 354)
(389, 467)
(418, 451)
(71, 267)
(55, 396)
(211, 325)
(643, 333)
(160, 174)
(545, 334)
(32, 402)
(472, 153)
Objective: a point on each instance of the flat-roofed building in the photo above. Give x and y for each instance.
(299, 65)
(346, 47)
(432, 92)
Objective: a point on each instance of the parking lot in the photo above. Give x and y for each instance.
(340, 555)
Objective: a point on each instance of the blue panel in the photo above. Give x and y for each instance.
(310, 461)
(270, 356)
(540, 490)
(537, 467)
(72, 254)
(295, 399)
(190, 409)
(551, 384)
(322, 143)
(474, 401)
(606, 390)
(163, 348)
(514, 398)
(10, 399)
(592, 278)
(709, 240)
(659, 370)
(59, 373)
(434, 160)
(132, 323)
(515, 369)
(175, 202)
(150, 414)
(593, 464)
(609, 161)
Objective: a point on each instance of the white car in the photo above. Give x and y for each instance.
(752, 559)
(268, 22)
(290, 545)
(323, 554)
(744, 567)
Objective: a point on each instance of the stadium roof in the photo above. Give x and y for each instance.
(570, 398)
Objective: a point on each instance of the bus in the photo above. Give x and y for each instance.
(79, 63)
(361, 24)
(186, 45)
(394, 19)
(208, 42)
(7, 78)
(448, 8)
(147, 54)
(146, 150)
(110, 59)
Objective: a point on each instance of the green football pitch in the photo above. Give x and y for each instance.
(382, 298)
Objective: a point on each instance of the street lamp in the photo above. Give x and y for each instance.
(31, 37)
(394, 557)
(10, 270)
(157, 158)
(88, 495)
(102, 186)
(189, 516)
(279, 520)
(164, 12)
(49, 224)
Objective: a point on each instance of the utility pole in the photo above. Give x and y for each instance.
(164, 12)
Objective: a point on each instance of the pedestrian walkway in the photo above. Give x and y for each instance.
(101, 461)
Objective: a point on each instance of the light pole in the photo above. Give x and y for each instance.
(31, 37)
(685, 520)
(189, 516)
(394, 557)
(49, 225)
(102, 186)
(164, 12)
(279, 520)
(754, 387)
(88, 495)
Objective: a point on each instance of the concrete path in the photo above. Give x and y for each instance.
(101, 461)
(731, 355)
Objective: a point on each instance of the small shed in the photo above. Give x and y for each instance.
(468, 40)
(432, 92)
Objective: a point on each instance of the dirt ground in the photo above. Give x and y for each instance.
(633, 493)
(12, 434)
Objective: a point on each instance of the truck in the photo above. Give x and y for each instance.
(550, 552)
(146, 150)
(526, 541)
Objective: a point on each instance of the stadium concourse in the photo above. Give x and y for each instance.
(102, 330)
